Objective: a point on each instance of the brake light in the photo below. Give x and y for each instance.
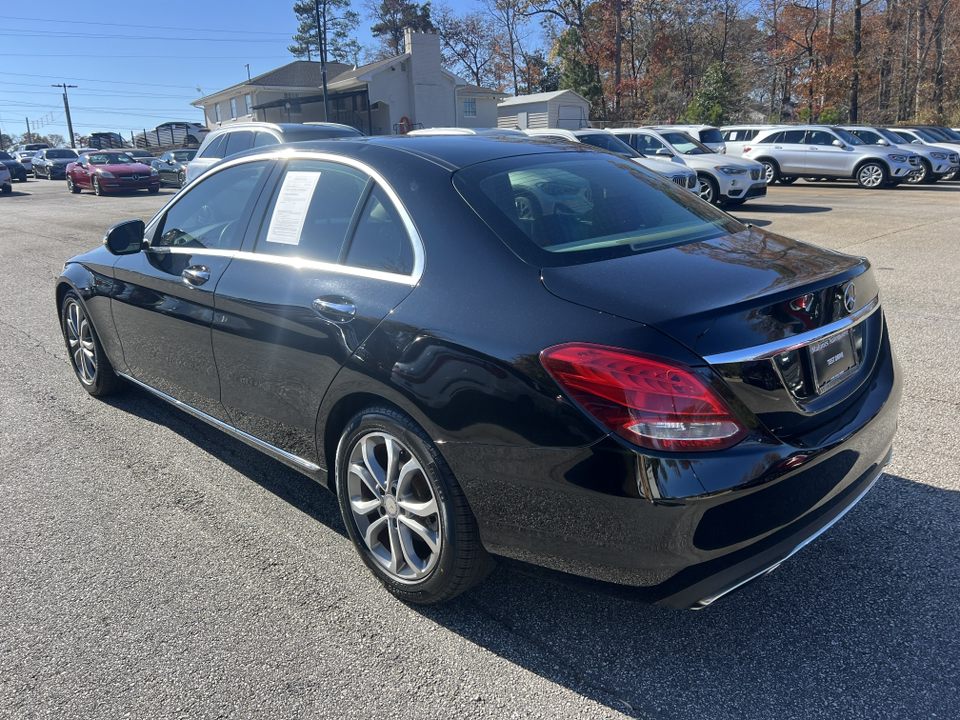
(652, 402)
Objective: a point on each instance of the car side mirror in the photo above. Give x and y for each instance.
(881, 141)
(839, 143)
(664, 152)
(125, 238)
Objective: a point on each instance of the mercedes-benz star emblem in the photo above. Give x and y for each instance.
(135, 176)
(850, 297)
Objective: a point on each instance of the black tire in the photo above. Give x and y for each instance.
(72, 186)
(734, 202)
(22, 176)
(434, 551)
(97, 188)
(708, 190)
(923, 174)
(771, 171)
(181, 178)
(49, 173)
(89, 361)
(7, 189)
(153, 191)
(787, 179)
(872, 175)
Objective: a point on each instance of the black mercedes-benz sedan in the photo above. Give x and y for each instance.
(495, 347)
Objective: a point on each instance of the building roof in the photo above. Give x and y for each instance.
(477, 90)
(299, 73)
(540, 97)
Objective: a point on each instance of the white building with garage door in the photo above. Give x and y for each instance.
(559, 109)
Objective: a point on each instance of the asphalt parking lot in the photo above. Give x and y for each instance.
(151, 567)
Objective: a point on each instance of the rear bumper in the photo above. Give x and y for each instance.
(646, 525)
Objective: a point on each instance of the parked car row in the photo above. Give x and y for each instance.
(629, 385)
(872, 156)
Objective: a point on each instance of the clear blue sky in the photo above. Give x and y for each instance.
(136, 64)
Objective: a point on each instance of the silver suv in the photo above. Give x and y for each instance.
(935, 162)
(829, 153)
(723, 179)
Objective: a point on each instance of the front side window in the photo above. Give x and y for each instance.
(561, 210)
(469, 107)
(207, 214)
(311, 211)
(237, 142)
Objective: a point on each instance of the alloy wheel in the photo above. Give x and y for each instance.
(871, 175)
(80, 342)
(707, 190)
(394, 506)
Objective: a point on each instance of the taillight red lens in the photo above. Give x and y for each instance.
(652, 402)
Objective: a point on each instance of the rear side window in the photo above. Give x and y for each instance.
(711, 135)
(312, 211)
(213, 149)
(819, 137)
(264, 139)
(237, 142)
(771, 138)
(793, 136)
(381, 241)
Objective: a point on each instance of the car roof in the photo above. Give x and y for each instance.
(450, 151)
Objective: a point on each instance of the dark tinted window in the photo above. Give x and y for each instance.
(237, 142)
(771, 138)
(792, 136)
(207, 215)
(311, 211)
(381, 241)
(867, 136)
(213, 149)
(819, 137)
(605, 141)
(265, 138)
(55, 153)
(5, 156)
(710, 135)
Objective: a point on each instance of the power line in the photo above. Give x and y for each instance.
(147, 27)
(110, 82)
(139, 38)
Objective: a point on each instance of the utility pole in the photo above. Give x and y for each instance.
(322, 47)
(28, 129)
(66, 109)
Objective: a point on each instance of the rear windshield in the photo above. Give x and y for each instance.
(562, 209)
(183, 155)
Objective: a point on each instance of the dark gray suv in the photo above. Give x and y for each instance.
(234, 138)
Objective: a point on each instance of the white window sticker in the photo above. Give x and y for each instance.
(291, 209)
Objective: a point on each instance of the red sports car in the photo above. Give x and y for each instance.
(105, 172)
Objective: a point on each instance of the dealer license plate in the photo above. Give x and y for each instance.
(831, 358)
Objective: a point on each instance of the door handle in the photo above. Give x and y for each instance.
(196, 275)
(338, 309)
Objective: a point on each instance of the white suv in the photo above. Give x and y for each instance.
(707, 134)
(723, 179)
(678, 174)
(825, 152)
(935, 161)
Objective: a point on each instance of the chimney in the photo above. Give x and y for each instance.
(431, 107)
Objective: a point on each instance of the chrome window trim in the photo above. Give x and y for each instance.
(769, 350)
(290, 459)
(288, 153)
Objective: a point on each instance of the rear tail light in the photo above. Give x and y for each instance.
(651, 402)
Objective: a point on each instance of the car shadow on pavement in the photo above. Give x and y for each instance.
(787, 209)
(864, 622)
(293, 487)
